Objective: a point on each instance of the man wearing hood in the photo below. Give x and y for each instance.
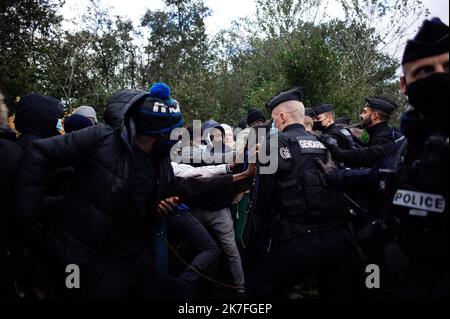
(122, 172)
(38, 116)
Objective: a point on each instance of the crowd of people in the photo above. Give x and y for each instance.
(146, 209)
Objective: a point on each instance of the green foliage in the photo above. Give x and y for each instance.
(288, 43)
(27, 30)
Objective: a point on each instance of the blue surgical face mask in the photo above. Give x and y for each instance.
(59, 126)
(273, 129)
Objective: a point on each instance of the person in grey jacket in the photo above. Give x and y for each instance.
(220, 222)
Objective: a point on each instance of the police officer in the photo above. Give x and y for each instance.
(298, 218)
(414, 179)
(419, 195)
(374, 117)
(324, 121)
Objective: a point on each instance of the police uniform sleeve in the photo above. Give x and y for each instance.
(365, 156)
(354, 180)
(339, 137)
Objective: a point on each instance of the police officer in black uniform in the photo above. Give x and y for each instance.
(414, 179)
(374, 117)
(298, 218)
(324, 121)
(419, 195)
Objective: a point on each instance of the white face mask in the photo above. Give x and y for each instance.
(59, 125)
(273, 129)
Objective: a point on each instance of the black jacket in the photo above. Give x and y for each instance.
(343, 136)
(98, 218)
(381, 144)
(285, 201)
(36, 118)
(10, 154)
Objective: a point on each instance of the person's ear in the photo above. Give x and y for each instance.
(375, 116)
(403, 85)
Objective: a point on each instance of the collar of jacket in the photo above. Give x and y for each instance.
(377, 128)
(331, 127)
(294, 127)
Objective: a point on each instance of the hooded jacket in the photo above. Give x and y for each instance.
(36, 118)
(100, 217)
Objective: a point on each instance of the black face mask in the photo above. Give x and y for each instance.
(429, 97)
(318, 126)
(163, 147)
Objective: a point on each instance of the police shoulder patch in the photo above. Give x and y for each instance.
(285, 153)
(310, 145)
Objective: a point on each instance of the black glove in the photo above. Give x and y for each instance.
(327, 140)
(327, 168)
(331, 144)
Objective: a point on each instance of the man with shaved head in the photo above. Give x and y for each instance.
(296, 221)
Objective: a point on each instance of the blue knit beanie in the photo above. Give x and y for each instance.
(161, 91)
(158, 114)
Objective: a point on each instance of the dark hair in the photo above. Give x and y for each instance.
(383, 115)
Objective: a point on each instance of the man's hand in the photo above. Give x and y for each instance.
(251, 166)
(327, 122)
(331, 145)
(239, 160)
(252, 158)
(328, 141)
(327, 168)
(166, 206)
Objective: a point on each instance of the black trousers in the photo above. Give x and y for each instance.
(117, 279)
(187, 229)
(329, 256)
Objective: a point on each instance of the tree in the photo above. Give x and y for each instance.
(177, 52)
(288, 43)
(27, 30)
(294, 43)
(87, 66)
(277, 18)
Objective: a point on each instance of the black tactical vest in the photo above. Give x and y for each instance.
(419, 197)
(305, 197)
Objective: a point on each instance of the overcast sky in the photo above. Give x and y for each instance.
(223, 11)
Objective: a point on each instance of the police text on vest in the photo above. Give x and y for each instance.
(423, 201)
